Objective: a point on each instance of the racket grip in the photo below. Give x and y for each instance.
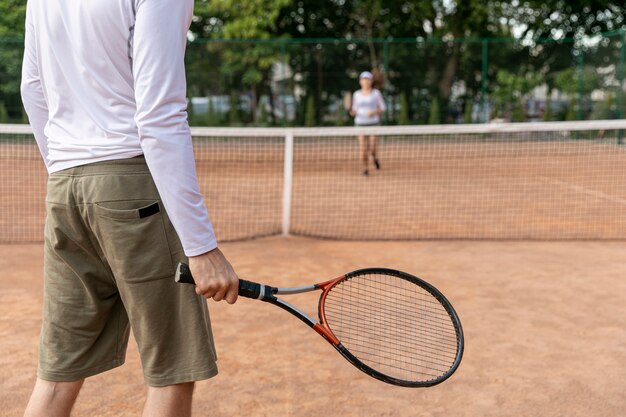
(247, 289)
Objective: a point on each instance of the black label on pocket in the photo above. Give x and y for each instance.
(149, 211)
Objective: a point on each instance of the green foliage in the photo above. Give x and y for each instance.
(213, 118)
(4, 115)
(577, 81)
(246, 65)
(518, 114)
(208, 118)
(264, 118)
(432, 65)
(11, 51)
(190, 112)
(234, 19)
(571, 112)
(434, 118)
(309, 115)
(574, 17)
(341, 116)
(511, 91)
(605, 109)
(403, 117)
(468, 112)
(12, 18)
(548, 115)
(511, 85)
(233, 111)
(411, 68)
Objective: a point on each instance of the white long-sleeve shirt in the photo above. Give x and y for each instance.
(105, 80)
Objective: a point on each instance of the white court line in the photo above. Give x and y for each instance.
(585, 190)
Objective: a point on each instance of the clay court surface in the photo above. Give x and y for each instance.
(543, 321)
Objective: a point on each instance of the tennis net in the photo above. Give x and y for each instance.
(534, 181)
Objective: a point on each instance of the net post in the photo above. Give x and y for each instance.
(287, 181)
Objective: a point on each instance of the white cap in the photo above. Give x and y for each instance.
(366, 74)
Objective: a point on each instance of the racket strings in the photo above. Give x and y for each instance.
(428, 343)
(430, 349)
(407, 314)
(408, 354)
(393, 325)
(370, 324)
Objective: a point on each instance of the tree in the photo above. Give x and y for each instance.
(213, 118)
(327, 68)
(518, 114)
(605, 109)
(554, 28)
(235, 45)
(434, 117)
(233, 110)
(511, 90)
(309, 115)
(248, 63)
(4, 115)
(571, 111)
(340, 116)
(447, 50)
(540, 19)
(547, 112)
(468, 111)
(578, 84)
(11, 52)
(403, 118)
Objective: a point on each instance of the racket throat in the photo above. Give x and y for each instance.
(318, 327)
(326, 334)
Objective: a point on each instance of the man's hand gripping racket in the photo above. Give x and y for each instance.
(389, 324)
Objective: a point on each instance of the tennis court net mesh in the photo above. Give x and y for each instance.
(535, 181)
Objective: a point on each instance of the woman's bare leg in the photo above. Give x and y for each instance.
(364, 147)
(373, 147)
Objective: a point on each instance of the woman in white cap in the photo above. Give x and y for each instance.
(367, 106)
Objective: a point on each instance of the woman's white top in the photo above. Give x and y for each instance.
(363, 104)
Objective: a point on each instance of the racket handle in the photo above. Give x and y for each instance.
(247, 289)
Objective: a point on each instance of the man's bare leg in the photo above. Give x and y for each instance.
(169, 401)
(52, 399)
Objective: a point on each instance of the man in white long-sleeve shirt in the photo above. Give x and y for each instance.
(103, 84)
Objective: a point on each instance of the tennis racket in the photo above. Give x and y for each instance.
(391, 325)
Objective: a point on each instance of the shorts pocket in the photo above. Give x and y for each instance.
(134, 241)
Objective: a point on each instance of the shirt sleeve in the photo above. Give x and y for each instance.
(160, 36)
(31, 88)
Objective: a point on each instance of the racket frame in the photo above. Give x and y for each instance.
(424, 285)
(268, 294)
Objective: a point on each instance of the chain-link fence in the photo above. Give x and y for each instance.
(308, 82)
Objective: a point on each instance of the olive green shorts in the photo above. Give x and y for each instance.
(110, 256)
